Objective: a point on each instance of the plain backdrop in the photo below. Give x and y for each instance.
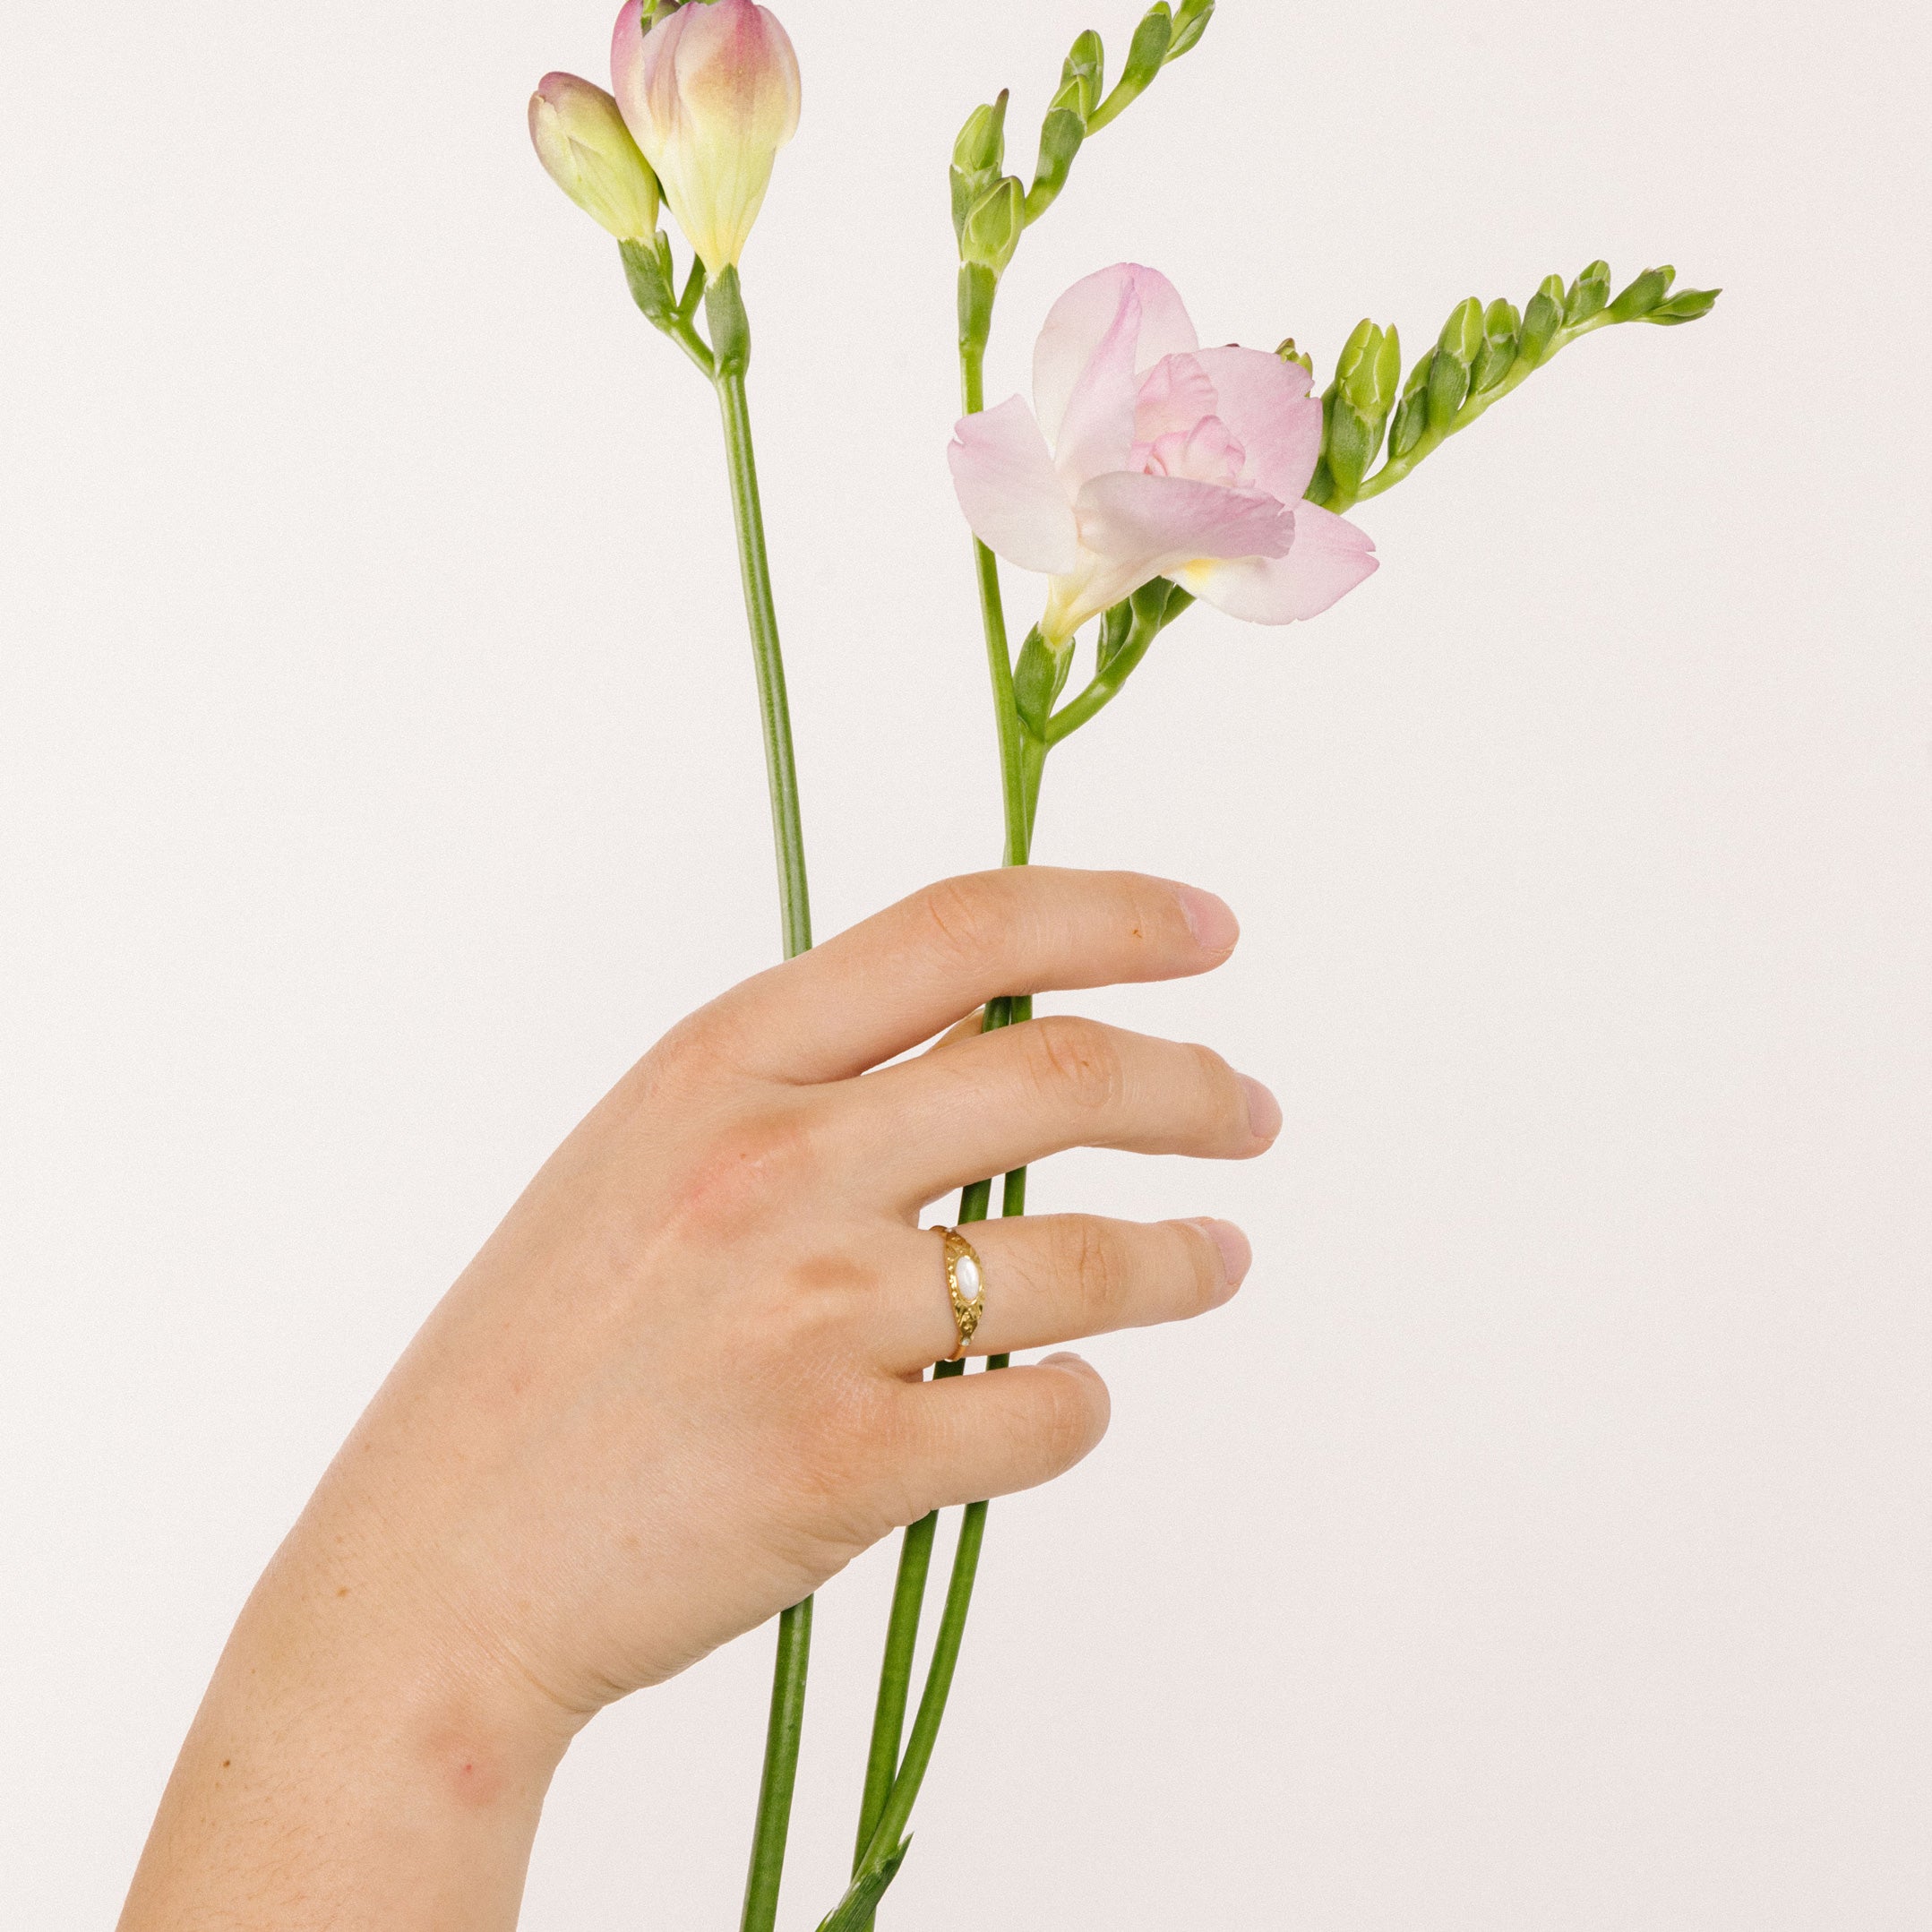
(1543, 1540)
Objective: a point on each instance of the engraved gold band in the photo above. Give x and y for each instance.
(966, 1286)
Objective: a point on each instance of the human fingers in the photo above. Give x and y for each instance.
(973, 1436)
(900, 977)
(1048, 1278)
(988, 1105)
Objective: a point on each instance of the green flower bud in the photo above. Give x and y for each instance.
(1061, 135)
(1643, 294)
(1587, 294)
(1457, 349)
(1038, 679)
(1368, 370)
(647, 270)
(1147, 52)
(1288, 352)
(1145, 55)
(1541, 320)
(1412, 414)
(1687, 306)
(1086, 72)
(981, 148)
(978, 156)
(1500, 323)
(993, 226)
(1191, 23)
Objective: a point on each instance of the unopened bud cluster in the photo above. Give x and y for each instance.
(1481, 353)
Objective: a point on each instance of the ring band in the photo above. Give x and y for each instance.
(966, 1286)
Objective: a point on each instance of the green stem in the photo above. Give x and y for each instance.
(731, 351)
(894, 1679)
(1106, 684)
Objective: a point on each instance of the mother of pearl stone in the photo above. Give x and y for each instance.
(965, 1272)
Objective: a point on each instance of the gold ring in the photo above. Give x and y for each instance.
(966, 1286)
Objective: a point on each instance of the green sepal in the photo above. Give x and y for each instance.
(992, 229)
(730, 326)
(1191, 23)
(1039, 678)
(1643, 294)
(1085, 70)
(1500, 323)
(978, 156)
(1687, 306)
(1541, 321)
(1114, 630)
(1061, 135)
(647, 270)
(862, 1901)
(1155, 601)
(1587, 294)
(1288, 352)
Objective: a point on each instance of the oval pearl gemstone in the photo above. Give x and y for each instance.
(965, 1272)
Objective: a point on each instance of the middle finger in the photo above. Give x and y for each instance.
(985, 1106)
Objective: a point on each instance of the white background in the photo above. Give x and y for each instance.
(1542, 1539)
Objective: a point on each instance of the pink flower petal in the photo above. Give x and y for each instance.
(1096, 431)
(1078, 324)
(1329, 557)
(1266, 404)
(1137, 527)
(1174, 395)
(1012, 496)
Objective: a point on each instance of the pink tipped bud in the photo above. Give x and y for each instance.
(711, 94)
(581, 139)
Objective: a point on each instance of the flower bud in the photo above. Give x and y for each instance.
(1085, 70)
(1301, 357)
(1457, 349)
(1412, 413)
(992, 229)
(1498, 356)
(1541, 320)
(1191, 23)
(1367, 374)
(711, 94)
(978, 157)
(586, 149)
(1687, 306)
(1587, 294)
(1643, 294)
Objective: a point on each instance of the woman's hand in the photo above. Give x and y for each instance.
(682, 1385)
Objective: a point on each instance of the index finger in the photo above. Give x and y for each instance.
(897, 978)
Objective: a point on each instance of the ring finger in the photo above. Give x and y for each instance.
(1052, 1278)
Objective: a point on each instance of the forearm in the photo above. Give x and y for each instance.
(347, 1766)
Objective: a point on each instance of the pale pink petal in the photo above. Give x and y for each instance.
(1174, 395)
(1012, 496)
(1266, 404)
(1136, 527)
(1096, 431)
(1078, 322)
(1329, 557)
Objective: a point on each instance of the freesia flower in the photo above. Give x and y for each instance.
(581, 139)
(711, 93)
(1145, 456)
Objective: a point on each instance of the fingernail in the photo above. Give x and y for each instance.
(1264, 1111)
(1236, 1255)
(1063, 1359)
(1210, 920)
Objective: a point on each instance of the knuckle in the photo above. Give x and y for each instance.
(960, 919)
(1076, 1060)
(1093, 1259)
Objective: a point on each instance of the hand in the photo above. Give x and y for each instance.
(682, 1384)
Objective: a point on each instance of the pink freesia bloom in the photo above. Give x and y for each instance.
(1145, 456)
(711, 93)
